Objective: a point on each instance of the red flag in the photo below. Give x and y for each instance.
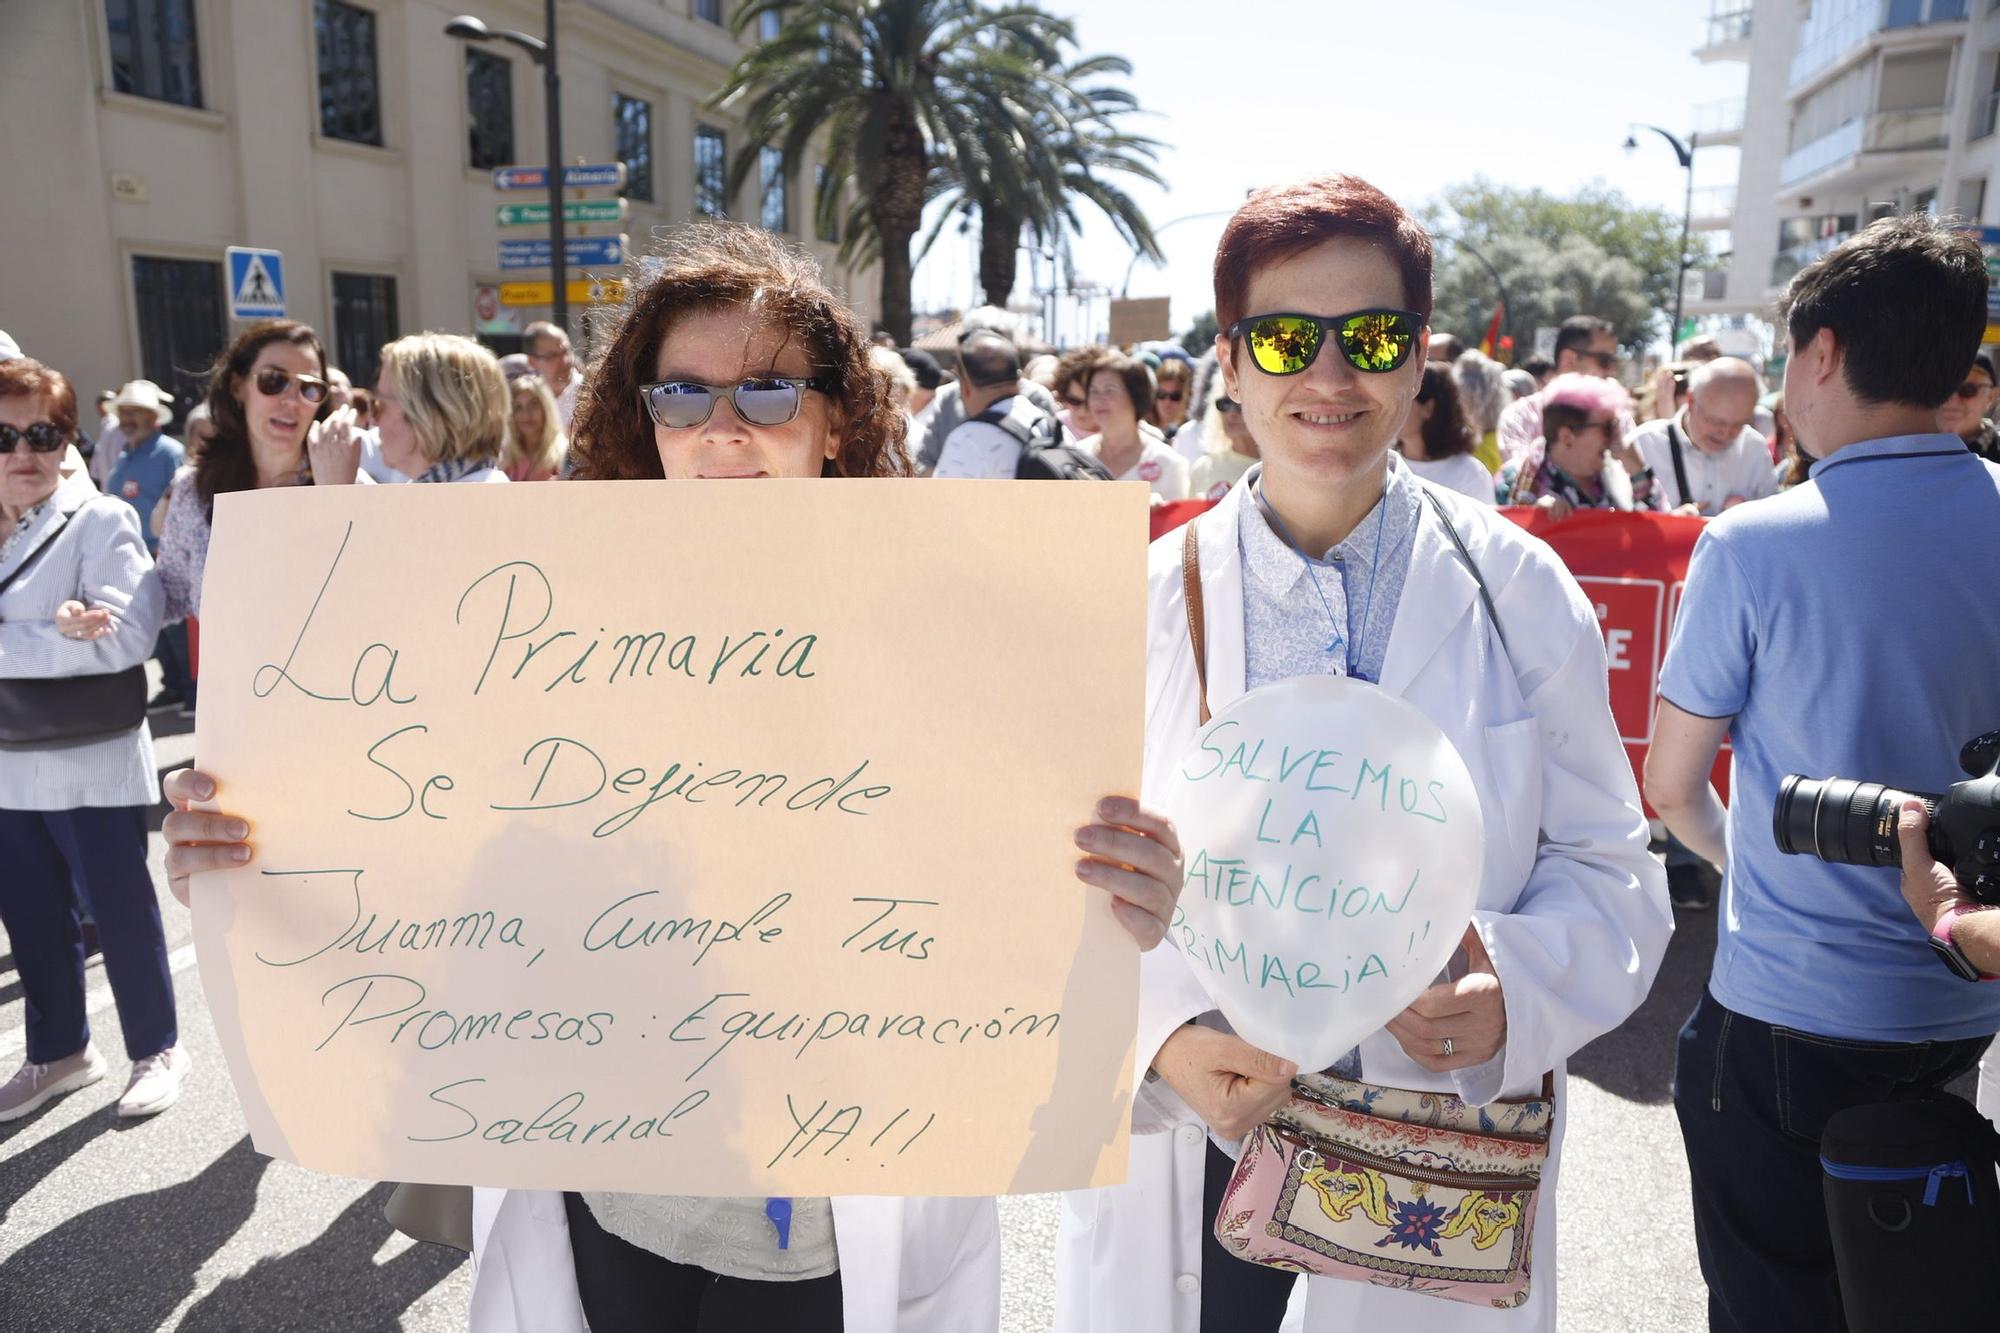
(1492, 338)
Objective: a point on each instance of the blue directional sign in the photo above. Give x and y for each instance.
(256, 283)
(584, 176)
(581, 252)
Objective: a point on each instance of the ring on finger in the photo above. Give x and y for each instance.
(1448, 1049)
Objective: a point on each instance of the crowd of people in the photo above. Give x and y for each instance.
(1355, 459)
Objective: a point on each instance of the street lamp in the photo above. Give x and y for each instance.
(1125, 289)
(1685, 152)
(542, 50)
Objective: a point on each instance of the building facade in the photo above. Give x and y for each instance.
(353, 136)
(1854, 110)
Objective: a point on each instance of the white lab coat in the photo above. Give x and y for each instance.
(1571, 906)
(906, 1265)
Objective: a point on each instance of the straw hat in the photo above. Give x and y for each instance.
(147, 397)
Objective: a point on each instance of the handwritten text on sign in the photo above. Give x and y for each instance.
(1332, 840)
(684, 838)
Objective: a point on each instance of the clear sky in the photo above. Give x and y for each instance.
(1413, 95)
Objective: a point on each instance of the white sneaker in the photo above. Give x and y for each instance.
(33, 1084)
(156, 1083)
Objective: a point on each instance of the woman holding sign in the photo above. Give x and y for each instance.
(736, 361)
(1329, 566)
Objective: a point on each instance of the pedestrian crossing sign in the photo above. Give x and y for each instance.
(256, 283)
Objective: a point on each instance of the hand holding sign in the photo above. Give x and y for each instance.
(1333, 849)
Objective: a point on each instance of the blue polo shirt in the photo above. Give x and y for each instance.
(143, 474)
(1851, 628)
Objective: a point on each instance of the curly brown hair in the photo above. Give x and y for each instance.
(1073, 370)
(225, 463)
(717, 265)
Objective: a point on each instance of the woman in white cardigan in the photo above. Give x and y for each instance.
(1571, 919)
(78, 597)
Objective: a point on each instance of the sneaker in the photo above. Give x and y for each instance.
(156, 1083)
(1689, 887)
(33, 1084)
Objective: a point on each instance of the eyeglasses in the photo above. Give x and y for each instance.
(1163, 396)
(1374, 342)
(44, 437)
(762, 400)
(1606, 360)
(1970, 389)
(1078, 401)
(1227, 404)
(272, 381)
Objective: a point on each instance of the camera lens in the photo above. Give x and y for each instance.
(1841, 819)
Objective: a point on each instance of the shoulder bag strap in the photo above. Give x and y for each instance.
(1191, 594)
(1458, 543)
(1680, 467)
(35, 554)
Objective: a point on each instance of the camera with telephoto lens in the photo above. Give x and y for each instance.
(1854, 823)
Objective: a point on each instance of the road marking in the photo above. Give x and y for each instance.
(97, 998)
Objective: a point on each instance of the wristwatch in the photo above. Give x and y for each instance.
(1945, 948)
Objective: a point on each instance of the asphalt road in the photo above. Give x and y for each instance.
(175, 1223)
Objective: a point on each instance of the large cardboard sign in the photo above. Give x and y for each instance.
(685, 837)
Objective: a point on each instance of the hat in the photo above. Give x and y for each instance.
(9, 349)
(924, 366)
(147, 397)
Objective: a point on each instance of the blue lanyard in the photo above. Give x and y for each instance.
(1375, 568)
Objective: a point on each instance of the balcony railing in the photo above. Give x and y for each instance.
(1824, 41)
(1728, 26)
(1716, 119)
(1714, 201)
(1788, 262)
(1884, 132)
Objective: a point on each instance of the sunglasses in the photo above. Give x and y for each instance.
(1970, 389)
(763, 400)
(44, 437)
(272, 381)
(1606, 360)
(1374, 342)
(1165, 397)
(1076, 402)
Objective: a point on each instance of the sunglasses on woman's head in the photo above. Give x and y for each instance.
(1374, 342)
(762, 400)
(43, 437)
(272, 381)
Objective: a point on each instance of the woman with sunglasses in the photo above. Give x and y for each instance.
(1229, 450)
(265, 394)
(78, 598)
(1330, 559)
(1966, 413)
(736, 361)
(1582, 462)
(1170, 395)
(1120, 393)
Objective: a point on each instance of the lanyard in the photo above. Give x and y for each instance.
(1375, 568)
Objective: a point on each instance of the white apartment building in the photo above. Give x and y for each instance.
(1854, 110)
(353, 136)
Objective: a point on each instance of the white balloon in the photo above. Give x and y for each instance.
(1333, 846)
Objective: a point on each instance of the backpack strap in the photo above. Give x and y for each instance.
(1191, 594)
(1680, 467)
(1458, 543)
(1010, 420)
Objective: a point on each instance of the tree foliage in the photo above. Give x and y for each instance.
(1594, 252)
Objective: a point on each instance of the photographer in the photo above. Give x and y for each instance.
(1841, 627)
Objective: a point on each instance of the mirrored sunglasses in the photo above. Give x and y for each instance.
(43, 437)
(272, 381)
(1374, 342)
(763, 400)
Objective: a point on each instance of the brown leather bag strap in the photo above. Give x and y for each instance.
(1191, 594)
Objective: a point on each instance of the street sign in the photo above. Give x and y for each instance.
(582, 291)
(584, 176)
(581, 252)
(574, 210)
(256, 283)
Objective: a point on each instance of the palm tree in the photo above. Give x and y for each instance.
(898, 87)
(1072, 157)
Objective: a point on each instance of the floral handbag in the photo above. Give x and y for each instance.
(1413, 1190)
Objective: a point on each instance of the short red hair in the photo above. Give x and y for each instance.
(25, 377)
(1280, 221)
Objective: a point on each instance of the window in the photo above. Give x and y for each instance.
(350, 92)
(776, 213)
(829, 229)
(153, 52)
(711, 185)
(181, 327)
(489, 108)
(364, 318)
(769, 24)
(709, 11)
(633, 131)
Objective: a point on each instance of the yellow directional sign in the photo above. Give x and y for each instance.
(582, 291)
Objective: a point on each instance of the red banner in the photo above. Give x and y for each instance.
(1633, 568)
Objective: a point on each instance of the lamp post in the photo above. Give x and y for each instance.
(1125, 288)
(1685, 152)
(542, 50)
